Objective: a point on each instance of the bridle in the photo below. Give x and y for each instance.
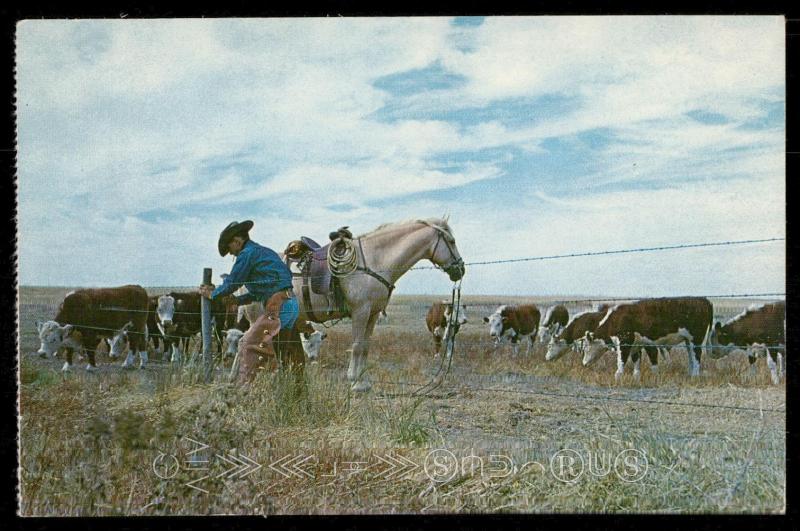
(457, 264)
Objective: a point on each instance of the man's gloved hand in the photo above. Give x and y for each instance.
(205, 290)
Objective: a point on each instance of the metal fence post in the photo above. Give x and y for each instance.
(205, 310)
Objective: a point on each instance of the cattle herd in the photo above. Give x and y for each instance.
(128, 319)
(648, 326)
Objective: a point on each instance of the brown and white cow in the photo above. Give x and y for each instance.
(554, 320)
(234, 333)
(436, 321)
(178, 316)
(86, 315)
(152, 332)
(759, 328)
(311, 336)
(517, 322)
(651, 318)
(572, 335)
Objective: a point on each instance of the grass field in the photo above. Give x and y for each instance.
(501, 434)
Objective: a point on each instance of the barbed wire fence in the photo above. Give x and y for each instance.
(38, 307)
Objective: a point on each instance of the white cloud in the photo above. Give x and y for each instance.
(117, 118)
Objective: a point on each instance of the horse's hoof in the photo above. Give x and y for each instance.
(66, 367)
(361, 387)
(91, 368)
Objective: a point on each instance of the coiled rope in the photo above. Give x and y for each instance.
(342, 257)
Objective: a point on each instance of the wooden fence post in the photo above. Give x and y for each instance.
(205, 310)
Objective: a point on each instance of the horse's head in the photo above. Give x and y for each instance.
(444, 252)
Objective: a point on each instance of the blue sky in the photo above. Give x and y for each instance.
(139, 140)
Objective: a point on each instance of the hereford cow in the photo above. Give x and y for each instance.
(86, 315)
(572, 335)
(651, 318)
(554, 320)
(311, 335)
(759, 328)
(119, 342)
(178, 317)
(662, 344)
(235, 333)
(436, 321)
(382, 318)
(153, 332)
(515, 321)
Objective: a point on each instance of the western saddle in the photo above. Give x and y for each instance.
(312, 261)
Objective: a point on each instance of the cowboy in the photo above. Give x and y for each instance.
(269, 281)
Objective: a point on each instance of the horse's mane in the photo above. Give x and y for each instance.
(435, 222)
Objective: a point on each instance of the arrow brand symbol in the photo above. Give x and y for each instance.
(241, 466)
(398, 465)
(287, 466)
(191, 484)
(199, 446)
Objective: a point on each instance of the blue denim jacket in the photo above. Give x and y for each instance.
(258, 268)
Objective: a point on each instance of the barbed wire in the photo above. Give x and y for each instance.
(468, 303)
(539, 258)
(625, 251)
(486, 343)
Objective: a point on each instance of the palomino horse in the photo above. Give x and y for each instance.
(388, 252)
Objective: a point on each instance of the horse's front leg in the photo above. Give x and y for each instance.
(363, 325)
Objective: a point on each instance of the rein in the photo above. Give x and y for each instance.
(446, 359)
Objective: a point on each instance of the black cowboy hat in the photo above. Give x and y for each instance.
(227, 234)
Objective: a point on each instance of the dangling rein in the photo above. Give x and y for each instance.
(444, 361)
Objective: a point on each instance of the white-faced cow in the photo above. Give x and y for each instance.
(382, 318)
(517, 322)
(651, 318)
(759, 328)
(153, 331)
(235, 333)
(554, 320)
(86, 315)
(311, 335)
(178, 317)
(119, 342)
(436, 321)
(572, 335)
